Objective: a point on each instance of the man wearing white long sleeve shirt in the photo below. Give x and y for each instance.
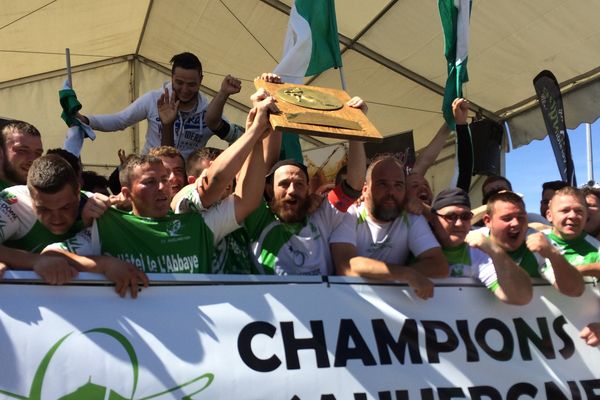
(197, 119)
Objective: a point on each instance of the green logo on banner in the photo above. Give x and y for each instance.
(91, 391)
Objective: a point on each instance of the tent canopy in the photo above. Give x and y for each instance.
(392, 54)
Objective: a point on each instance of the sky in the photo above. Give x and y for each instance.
(529, 166)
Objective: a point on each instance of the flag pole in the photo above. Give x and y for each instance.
(69, 77)
(342, 78)
(590, 156)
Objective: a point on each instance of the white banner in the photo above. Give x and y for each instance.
(342, 339)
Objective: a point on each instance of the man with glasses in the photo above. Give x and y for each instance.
(378, 236)
(472, 254)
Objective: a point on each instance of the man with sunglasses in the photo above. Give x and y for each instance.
(376, 238)
(471, 254)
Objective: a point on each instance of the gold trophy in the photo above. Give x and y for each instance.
(318, 111)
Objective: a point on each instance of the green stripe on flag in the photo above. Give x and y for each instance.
(323, 25)
(456, 30)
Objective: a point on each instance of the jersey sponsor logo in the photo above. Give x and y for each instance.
(164, 263)
(6, 209)
(9, 197)
(173, 228)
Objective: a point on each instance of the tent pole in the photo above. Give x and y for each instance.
(342, 78)
(134, 91)
(69, 78)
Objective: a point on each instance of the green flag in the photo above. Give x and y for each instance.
(455, 22)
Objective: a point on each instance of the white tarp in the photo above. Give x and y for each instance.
(248, 339)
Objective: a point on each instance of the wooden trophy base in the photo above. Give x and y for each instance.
(342, 123)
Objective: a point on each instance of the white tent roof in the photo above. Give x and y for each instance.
(392, 55)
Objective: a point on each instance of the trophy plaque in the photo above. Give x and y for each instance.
(318, 111)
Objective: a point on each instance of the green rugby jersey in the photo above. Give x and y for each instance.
(579, 251)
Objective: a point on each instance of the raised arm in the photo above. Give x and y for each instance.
(214, 113)
(167, 111)
(224, 168)
(430, 153)
(514, 285)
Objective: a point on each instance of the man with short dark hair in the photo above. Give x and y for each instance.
(494, 184)
(173, 161)
(198, 161)
(506, 221)
(22, 145)
(592, 201)
(43, 212)
(193, 121)
(156, 240)
(548, 189)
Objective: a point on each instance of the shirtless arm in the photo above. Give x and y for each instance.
(347, 263)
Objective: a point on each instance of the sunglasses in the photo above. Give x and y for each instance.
(452, 217)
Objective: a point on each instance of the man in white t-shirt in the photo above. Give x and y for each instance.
(378, 236)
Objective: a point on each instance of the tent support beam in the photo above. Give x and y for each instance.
(143, 32)
(352, 44)
(567, 86)
(62, 71)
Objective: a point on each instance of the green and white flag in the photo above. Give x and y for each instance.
(311, 43)
(455, 22)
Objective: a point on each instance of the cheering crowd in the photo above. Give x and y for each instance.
(182, 207)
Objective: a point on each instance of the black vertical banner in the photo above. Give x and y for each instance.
(548, 94)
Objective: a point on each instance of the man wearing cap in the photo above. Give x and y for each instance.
(506, 222)
(472, 254)
(286, 239)
(377, 237)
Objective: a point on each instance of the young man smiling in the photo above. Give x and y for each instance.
(194, 119)
(51, 208)
(506, 220)
(568, 214)
(155, 240)
(472, 254)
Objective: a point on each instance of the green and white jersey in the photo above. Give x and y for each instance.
(391, 242)
(176, 243)
(534, 264)
(232, 253)
(190, 202)
(282, 248)
(466, 261)
(19, 227)
(579, 251)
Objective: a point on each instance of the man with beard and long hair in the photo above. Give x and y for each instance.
(286, 237)
(378, 236)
